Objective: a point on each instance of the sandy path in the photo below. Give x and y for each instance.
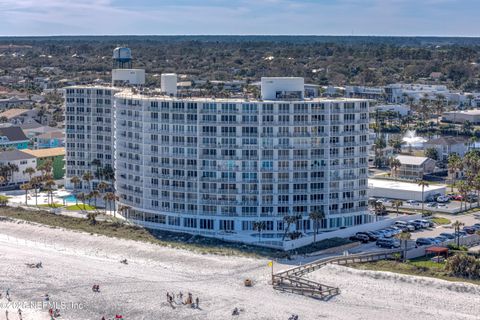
(74, 261)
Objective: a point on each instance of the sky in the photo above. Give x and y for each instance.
(240, 17)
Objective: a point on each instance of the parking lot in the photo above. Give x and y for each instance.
(431, 232)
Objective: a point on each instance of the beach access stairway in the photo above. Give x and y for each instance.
(291, 280)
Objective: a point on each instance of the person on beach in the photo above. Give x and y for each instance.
(197, 302)
(189, 299)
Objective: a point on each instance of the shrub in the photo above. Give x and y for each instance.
(465, 266)
(453, 246)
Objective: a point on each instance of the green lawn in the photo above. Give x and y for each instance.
(52, 205)
(4, 198)
(84, 207)
(423, 267)
(440, 220)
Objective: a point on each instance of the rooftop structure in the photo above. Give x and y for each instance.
(390, 189)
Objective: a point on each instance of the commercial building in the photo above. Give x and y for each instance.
(472, 116)
(380, 188)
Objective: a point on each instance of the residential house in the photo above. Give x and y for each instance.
(448, 145)
(414, 167)
(20, 160)
(42, 137)
(55, 155)
(19, 116)
(14, 102)
(13, 137)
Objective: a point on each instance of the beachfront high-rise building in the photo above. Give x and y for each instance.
(217, 166)
(89, 121)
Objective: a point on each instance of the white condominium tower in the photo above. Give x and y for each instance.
(222, 167)
(90, 121)
(215, 167)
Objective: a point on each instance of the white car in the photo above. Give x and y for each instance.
(423, 223)
(443, 199)
(413, 202)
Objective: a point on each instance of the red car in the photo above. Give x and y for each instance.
(457, 197)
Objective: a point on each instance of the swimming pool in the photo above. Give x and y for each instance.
(70, 198)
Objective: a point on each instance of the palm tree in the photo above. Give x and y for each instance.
(476, 186)
(49, 185)
(259, 226)
(316, 216)
(397, 204)
(404, 237)
(81, 197)
(26, 187)
(396, 144)
(457, 225)
(454, 164)
(36, 183)
(46, 167)
(110, 197)
(463, 188)
(87, 177)
(423, 184)
(123, 209)
(439, 106)
(102, 186)
(30, 171)
(378, 208)
(94, 194)
(288, 220)
(395, 164)
(75, 181)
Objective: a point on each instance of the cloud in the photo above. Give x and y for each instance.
(361, 17)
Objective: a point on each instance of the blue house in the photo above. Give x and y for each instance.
(13, 137)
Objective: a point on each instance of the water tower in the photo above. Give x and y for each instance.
(122, 58)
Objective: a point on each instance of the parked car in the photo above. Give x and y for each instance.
(433, 197)
(441, 238)
(395, 230)
(370, 234)
(458, 197)
(417, 225)
(423, 242)
(388, 243)
(423, 223)
(460, 234)
(432, 204)
(413, 202)
(472, 198)
(434, 240)
(449, 236)
(385, 233)
(443, 199)
(404, 226)
(428, 222)
(360, 237)
(469, 230)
